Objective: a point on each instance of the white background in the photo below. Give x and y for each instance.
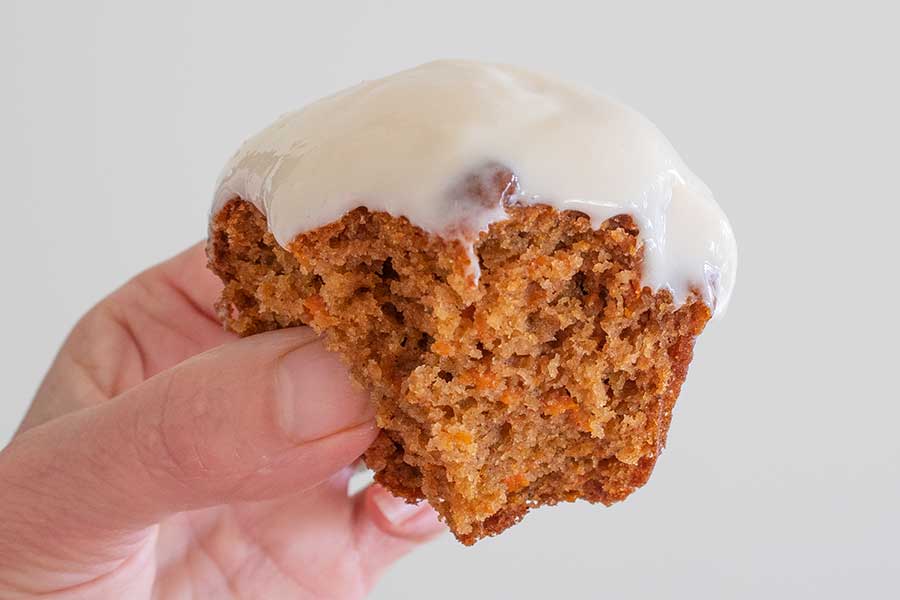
(782, 474)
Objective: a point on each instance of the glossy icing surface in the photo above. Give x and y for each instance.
(403, 145)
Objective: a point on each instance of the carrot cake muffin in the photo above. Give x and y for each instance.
(514, 267)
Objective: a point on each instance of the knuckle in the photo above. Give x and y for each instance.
(179, 440)
(204, 433)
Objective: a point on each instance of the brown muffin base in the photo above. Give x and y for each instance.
(552, 380)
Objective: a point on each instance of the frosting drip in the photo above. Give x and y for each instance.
(404, 144)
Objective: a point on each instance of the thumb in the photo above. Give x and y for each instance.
(258, 418)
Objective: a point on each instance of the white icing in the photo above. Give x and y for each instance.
(400, 145)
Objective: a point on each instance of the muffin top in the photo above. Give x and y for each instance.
(410, 144)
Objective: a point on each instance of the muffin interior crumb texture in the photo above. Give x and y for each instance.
(551, 380)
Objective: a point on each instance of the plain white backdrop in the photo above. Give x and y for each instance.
(782, 474)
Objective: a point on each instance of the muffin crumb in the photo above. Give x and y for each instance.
(553, 379)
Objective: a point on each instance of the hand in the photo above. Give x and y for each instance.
(165, 458)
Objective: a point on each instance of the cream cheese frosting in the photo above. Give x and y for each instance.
(403, 143)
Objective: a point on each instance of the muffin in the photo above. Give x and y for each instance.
(515, 269)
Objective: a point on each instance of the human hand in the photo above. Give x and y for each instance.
(163, 457)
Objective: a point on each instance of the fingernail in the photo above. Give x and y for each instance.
(396, 510)
(316, 395)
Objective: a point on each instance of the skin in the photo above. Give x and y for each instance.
(163, 457)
